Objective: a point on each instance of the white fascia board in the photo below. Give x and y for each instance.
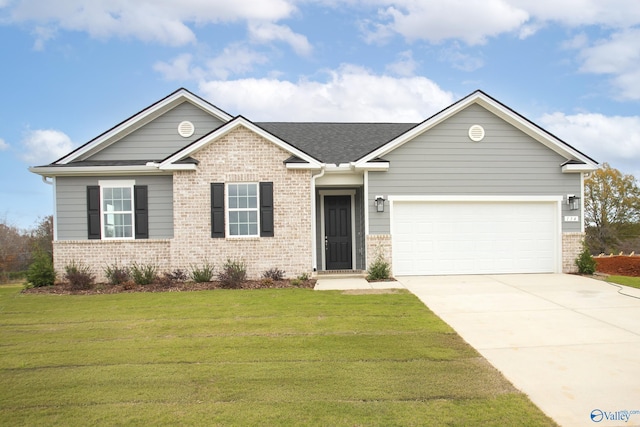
(137, 121)
(571, 168)
(304, 166)
(375, 166)
(473, 198)
(230, 126)
(95, 170)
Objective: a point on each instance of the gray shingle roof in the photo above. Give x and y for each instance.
(336, 142)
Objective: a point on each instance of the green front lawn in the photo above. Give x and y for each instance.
(634, 282)
(260, 357)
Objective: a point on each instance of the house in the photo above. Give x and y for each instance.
(475, 189)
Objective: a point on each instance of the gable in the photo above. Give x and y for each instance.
(574, 160)
(159, 138)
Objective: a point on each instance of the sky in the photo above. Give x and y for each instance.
(72, 69)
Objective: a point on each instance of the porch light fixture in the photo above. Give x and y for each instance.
(573, 202)
(378, 202)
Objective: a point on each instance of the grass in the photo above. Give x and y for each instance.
(260, 357)
(633, 282)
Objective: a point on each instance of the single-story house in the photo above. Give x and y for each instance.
(475, 189)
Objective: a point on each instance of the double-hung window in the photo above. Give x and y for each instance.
(243, 209)
(117, 209)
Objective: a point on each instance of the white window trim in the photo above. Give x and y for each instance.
(227, 209)
(117, 184)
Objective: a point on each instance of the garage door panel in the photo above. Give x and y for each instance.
(474, 237)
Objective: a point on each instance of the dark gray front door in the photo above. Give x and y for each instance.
(337, 229)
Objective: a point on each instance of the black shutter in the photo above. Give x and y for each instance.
(217, 210)
(141, 211)
(93, 212)
(266, 209)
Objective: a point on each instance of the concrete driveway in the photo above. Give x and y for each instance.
(571, 343)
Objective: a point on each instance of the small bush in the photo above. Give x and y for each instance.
(169, 279)
(275, 274)
(144, 274)
(379, 269)
(266, 282)
(79, 276)
(202, 275)
(585, 262)
(41, 272)
(233, 274)
(303, 277)
(117, 275)
(296, 282)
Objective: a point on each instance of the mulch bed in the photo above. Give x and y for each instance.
(621, 265)
(65, 288)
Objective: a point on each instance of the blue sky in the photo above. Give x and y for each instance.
(72, 69)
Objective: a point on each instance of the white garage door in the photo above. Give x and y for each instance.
(431, 238)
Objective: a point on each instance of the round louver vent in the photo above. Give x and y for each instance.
(186, 129)
(476, 133)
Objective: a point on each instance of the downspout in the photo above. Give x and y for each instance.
(314, 239)
(55, 223)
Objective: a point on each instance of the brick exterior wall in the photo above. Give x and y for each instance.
(379, 244)
(243, 156)
(571, 248)
(240, 156)
(99, 254)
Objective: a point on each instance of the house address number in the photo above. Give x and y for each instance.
(571, 219)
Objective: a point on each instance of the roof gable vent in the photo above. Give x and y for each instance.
(186, 129)
(476, 133)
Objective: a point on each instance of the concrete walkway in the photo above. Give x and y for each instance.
(336, 283)
(572, 344)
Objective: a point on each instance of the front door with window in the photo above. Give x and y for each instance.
(337, 228)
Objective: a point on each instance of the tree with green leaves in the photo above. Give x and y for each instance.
(612, 209)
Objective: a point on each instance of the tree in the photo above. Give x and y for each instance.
(612, 208)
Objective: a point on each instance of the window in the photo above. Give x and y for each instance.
(117, 210)
(242, 201)
(241, 209)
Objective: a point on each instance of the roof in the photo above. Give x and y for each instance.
(336, 143)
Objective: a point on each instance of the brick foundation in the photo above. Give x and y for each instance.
(378, 244)
(571, 248)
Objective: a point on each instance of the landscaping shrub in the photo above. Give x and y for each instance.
(202, 275)
(274, 274)
(144, 274)
(117, 275)
(585, 262)
(41, 272)
(233, 274)
(79, 276)
(169, 279)
(379, 269)
(300, 280)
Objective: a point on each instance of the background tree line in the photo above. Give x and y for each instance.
(612, 212)
(18, 247)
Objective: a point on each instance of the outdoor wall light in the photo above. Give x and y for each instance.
(378, 202)
(573, 202)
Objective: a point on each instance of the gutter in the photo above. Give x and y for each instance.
(314, 239)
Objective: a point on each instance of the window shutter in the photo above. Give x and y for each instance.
(266, 209)
(141, 212)
(93, 212)
(217, 210)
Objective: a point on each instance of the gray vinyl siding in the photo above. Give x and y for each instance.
(71, 205)
(159, 138)
(444, 161)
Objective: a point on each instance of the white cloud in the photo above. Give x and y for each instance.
(349, 94)
(45, 146)
(471, 21)
(3, 145)
(611, 139)
(617, 56)
(180, 68)
(405, 65)
(576, 13)
(266, 32)
(161, 21)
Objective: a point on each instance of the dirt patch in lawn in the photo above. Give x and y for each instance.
(622, 265)
(66, 289)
